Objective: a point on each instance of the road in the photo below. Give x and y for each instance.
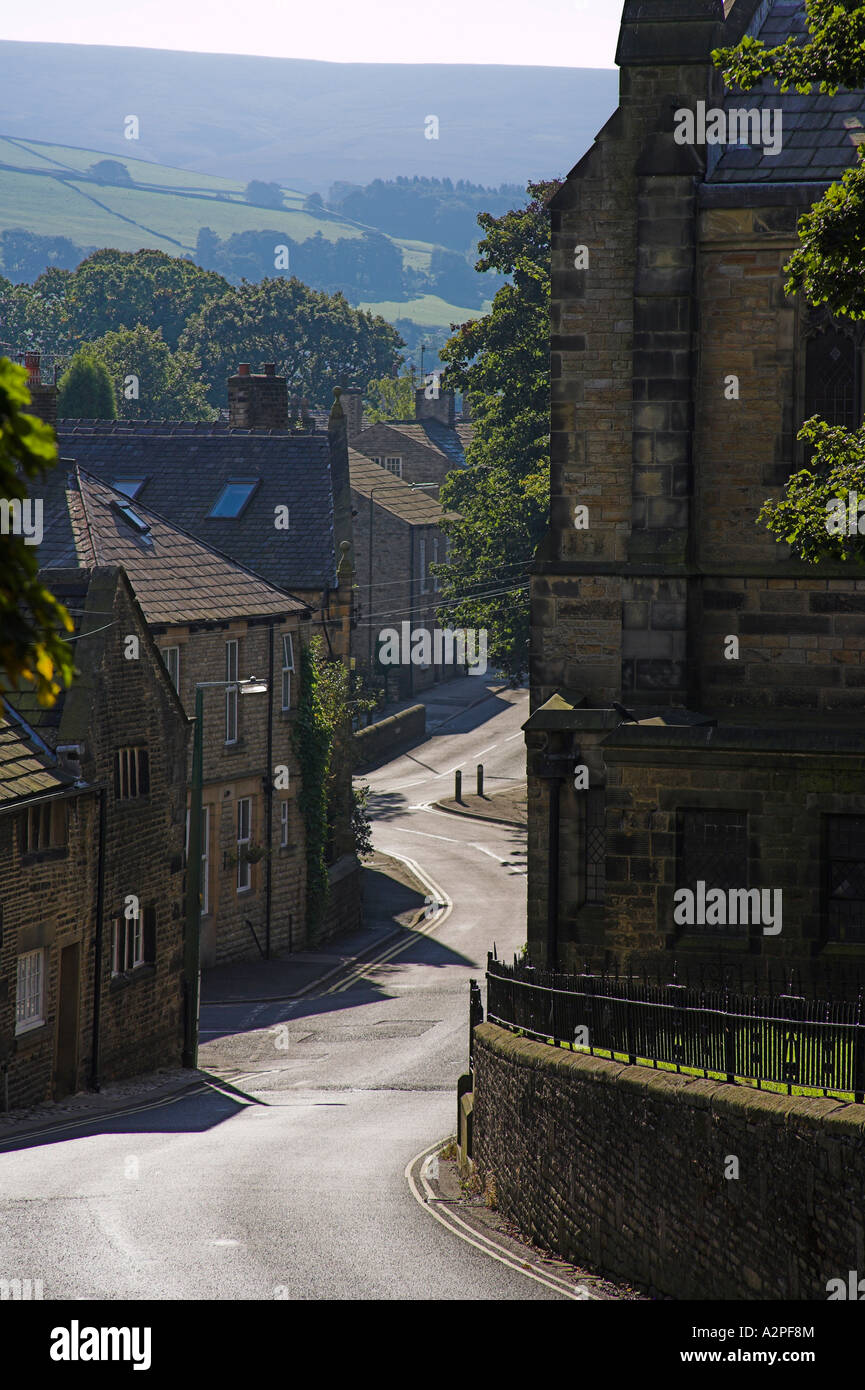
(288, 1179)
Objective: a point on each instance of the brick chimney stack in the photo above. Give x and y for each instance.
(258, 401)
(43, 396)
(441, 408)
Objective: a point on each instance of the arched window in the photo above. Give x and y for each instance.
(833, 379)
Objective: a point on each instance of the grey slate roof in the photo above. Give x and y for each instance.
(819, 133)
(430, 434)
(176, 578)
(186, 466)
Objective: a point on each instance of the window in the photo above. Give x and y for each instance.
(171, 658)
(287, 668)
(127, 943)
(394, 465)
(713, 849)
(422, 562)
(131, 773)
(45, 826)
(30, 989)
(232, 499)
(138, 524)
(595, 844)
(205, 857)
(244, 836)
(845, 878)
(832, 379)
(231, 692)
(130, 487)
(283, 824)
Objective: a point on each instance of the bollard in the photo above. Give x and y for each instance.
(458, 786)
(480, 779)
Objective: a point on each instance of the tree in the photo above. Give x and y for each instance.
(119, 289)
(24, 255)
(151, 381)
(827, 268)
(110, 171)
(501, 361)
(263, 195)
(316, 340)
(85, 391)
(390, 398)
(32, 650)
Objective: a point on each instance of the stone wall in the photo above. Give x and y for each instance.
(622, 1169)
(381, 739)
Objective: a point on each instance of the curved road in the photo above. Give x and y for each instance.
(289, 1181)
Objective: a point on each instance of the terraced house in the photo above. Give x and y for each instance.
(697, 693)
(92, 806)
(215, 624)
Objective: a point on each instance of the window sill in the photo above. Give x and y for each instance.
(45, 856)
(141, 972)
(30, 1030)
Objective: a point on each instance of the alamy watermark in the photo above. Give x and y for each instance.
(22, 518)
(755, 126)
(720, 907)
(408, 646)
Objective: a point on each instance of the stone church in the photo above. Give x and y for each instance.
(697, 694)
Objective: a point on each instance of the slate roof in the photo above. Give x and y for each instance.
(819, 133)
(413, 505)
(28, 769)
(186, 466)
(176, 578)
(429, 434)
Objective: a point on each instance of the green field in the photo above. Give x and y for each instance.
(428, 310)
(39, 194)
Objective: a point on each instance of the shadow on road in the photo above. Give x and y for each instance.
(189, 1113)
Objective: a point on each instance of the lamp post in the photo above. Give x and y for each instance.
(192, 950)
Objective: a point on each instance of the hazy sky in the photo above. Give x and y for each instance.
(559, 33)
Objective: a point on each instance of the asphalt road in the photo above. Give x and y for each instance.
(288, 1179)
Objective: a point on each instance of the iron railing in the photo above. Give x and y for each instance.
(772, 1040)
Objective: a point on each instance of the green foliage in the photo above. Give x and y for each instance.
(423, 209)
(316, 340)
(169, 383)
(32, 651)
(360, 823)
(263, 195)
(833, 56)
(827, 268)
(502, 362)
(390, 398)
(85, 391)
(311, 739)
(802, 516)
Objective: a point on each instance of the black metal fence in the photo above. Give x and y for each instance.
(772, 1039)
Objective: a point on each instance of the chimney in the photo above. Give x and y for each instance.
(352, 403)
(43, 397)
(258, 401)
(440, 407)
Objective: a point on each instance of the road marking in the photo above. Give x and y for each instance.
(434, 921)
(511, 737)
(452, 1222)
(483, 849)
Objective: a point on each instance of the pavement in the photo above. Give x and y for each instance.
(284, 1173)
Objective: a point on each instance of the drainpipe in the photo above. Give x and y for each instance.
(96, 1038)
(268, 801)
(555, 786)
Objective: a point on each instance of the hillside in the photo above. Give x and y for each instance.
(306, 124)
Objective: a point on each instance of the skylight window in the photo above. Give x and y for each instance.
(130, 487)
(132, 518)
(232, 499)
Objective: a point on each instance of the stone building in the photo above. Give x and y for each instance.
(92, 809)
(697, 694)
(397, 537)
(213, 620)
(422, 450)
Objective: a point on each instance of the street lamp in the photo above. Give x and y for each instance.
(251, 685)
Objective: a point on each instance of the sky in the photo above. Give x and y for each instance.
(546, 33)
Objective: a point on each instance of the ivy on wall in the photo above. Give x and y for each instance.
(312, 740)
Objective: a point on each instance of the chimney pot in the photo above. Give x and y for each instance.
(270, 369)
(243, 369)
(31, 363)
